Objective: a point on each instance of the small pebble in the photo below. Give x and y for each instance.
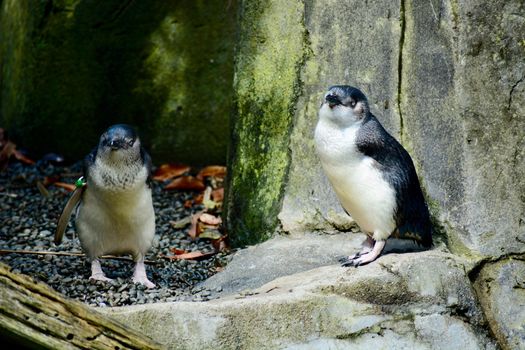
(29, 222)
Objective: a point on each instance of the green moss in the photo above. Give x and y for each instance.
(76, 66)
(266, 88)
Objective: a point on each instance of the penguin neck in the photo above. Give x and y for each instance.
(118, 175)
(335, 143)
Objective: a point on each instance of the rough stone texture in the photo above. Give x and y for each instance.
(456, 55)
(445, 77)
(281, 256)
(349, 44)
(501, 291)
(433, 64)
(69, 68)
(378, 304)
(269, 54)
(285, 255)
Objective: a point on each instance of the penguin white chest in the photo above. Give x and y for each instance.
(356, 179)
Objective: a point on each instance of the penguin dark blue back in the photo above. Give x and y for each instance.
(372, 174)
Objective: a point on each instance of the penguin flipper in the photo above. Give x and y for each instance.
(66, 213)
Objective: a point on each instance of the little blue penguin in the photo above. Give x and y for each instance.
(371, 173)
(115, 211)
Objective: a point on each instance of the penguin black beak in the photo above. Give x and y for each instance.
(116, 144)
(332, 100)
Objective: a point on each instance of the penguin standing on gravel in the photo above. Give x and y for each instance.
(372, 174)
(115, 209)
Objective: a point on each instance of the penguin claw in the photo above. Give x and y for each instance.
(349, 262)
(346, 259)
(100, 277)
(343, 258)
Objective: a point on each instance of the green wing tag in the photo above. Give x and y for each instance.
(81, 182)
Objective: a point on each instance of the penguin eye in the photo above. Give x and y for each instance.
(352, 103)
(131, 142)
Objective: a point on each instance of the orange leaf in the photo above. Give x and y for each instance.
(18, 155)
(69, 187)
(168, 171)
(198, 255)
(218, 194)
(177, 251)
(212, 170)
(188, 204)
(210, 219)
(185, 183)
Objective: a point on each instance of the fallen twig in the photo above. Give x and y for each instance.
(45, 252)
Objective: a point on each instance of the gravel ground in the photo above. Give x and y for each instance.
(28, 221)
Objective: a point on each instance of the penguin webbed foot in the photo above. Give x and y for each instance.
(100, 277)
(349, 260)
(139, 275)
(365, 256)
(96, 272)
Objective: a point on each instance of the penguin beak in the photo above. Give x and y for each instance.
(116, 144)
(332, 100)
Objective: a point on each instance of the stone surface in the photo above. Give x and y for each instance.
(72, 67)
(428, 69)
(501, 291)
(269, 54)
(254, 266)
(417, 300)
(363, 54)
(285, 255)
(455, 56)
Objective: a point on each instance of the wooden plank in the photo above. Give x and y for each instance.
(34, 313)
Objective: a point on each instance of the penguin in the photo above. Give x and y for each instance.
(372, 175)
(115, 212)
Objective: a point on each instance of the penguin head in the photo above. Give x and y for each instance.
(119, 141)
(344, 105)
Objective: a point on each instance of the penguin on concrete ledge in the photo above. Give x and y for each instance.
(115, 209)
(372, 174)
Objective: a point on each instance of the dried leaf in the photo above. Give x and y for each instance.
(42, 189)
(168, 171)
(194, 229)
(220, 244)
(212, 170)
(210, 219)
(188, 203)
(178, 251)
(18, 155)
(206, 200)
(182, 223)
(185, 183)
(69, 187)
(197, 255)
(211, 234)
(217, 195)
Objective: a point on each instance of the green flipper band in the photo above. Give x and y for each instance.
(81, 182)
